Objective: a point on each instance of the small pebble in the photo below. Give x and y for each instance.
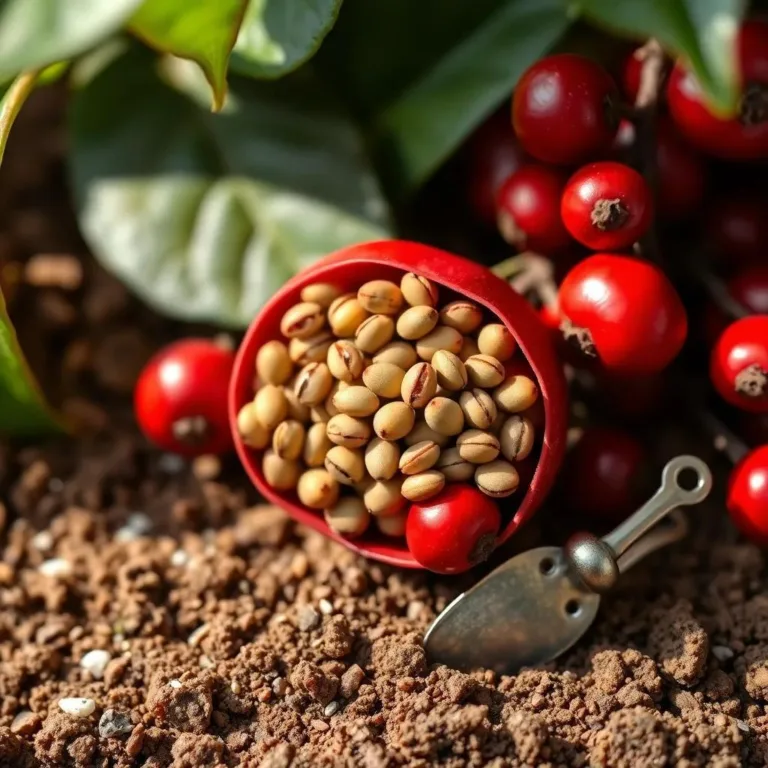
(114, 723)
(43, 541)
(325, 606)
(331, 709)
(179, 558)
(235, 687)
(279, 686)
(57, 567)
(25, 723)
(308, 618)
(77, 707)
(319, 725)
(722, 652)
(95, 662)
(197, 636)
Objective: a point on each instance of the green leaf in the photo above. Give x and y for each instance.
(203, 31)
(35, 33)
(278, 36)
(702, 31)
(206, 215)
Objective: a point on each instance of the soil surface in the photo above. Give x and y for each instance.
(226, 636)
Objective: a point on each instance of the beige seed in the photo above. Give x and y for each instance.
(281, 474)
(516, 438)
(321, 293)
(316, 445)
(288, 439)
(296, 410)
(479, 409)
(423, 486)
(419, 385)
(348, 431)
(253, 433)
(381, 459)
(345, 315)
(330, 408)
(372, 334)
(316, 489)
(422, 431)
(444, 416)
(356, 401)
(348, 517)
(497, 479)
(468, 348)
(270, 406)
(442, 337)
(416, 322)
(311, 350)
(451, 373)
(516, 394)
(464, 316)
(418, 291)
(313, 383)
(477, 446)
(380, 297)
(302, 320)
(394, 421)
(394, 525)
(496, 340)
(345, 465)
(384, 379)
(399, 353)
(345, 361)
(419, 457)
(485, 371)
(455, 469)
(383, 498)
(273, 364)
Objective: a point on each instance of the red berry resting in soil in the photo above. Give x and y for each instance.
(624, 311)
(737, 227)
(454, 531)
(739, 364)
(606, 206)
(180, 398)
(562, 109)
(528, 209)
(747, 500)
(743, 136)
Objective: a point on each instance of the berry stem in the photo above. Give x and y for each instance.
(724, 440)
(529, 271)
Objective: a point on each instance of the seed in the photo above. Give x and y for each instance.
(270, 406)
(288, 440)
(419, 457)
(281, 474)
(416, 322)
(384, 379)
(423, 486)
(356, 401)
(394, 525)
(444, 416)
(381, 459)
(313, 383)
(345, 361)
(383, 498)
(311, 350)
(477, 446)
(345, 314)
(516, 438)
(516, 394)
(330, 408)
(316, 489)
(296, 410)
(479, 409)
(302, 320)
(496, 340)
(468, 348)
(273, 364)
(374, 333)
(451, 373)
(464, 316)
(348, 431)
(380, 297)
(419, 385)
(418, 291)
(455, 469)
(348, 516)
(497, 479)
(394, 421)
(422, 431)
(321, 293)
(316, 445)
(485, 371)
(345, 465)
(250, 429)
(442, 337)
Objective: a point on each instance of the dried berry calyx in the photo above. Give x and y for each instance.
(752, 381)
(580, 338)
(608, 215)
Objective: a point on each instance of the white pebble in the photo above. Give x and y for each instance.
(95, 662)
(175, 683)
(56, 567)
(742, 726)
(139, 522)
(43, 541)
(236, 687)
(331, 709)
(325, 607)
(77, 707)
(179, 558)
(197, 636)
(722, 652)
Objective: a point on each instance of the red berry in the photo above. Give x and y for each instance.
(528, 209)
(562, 109)
(738, 228)
(743, 136)
(624, 311)
(739, 364)
(681, 174)
(453, 531)
(747, 499)
(606, 206)
(180, 398)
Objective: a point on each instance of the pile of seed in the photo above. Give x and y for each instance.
(384, 395)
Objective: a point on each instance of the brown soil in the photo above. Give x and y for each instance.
(238, 639)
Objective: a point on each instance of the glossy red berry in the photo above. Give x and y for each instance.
(528, 209)
(563, 109)
(747, 499)
(607, 206)
(180, 399)
(743, 136)
(738, 228)
(739, 364)
(624, 311)
(453, 531)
